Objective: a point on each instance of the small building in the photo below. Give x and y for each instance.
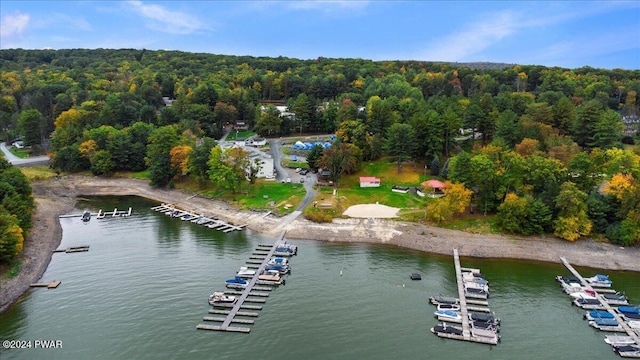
(241, 125)
(240, 142)
(266, 168)
(369, 181)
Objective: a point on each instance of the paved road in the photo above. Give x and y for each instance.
(16, 161)
(282, 173)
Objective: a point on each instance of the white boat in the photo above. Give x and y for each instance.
(220, 298)
(245, 271)
(584, 294)
(278, 261)
(588, 304)
(634, 324)
(448, 315)
(452, 307)
(599, 280)
(619, 340)
(606, 325)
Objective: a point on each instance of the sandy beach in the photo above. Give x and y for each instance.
(55, 197)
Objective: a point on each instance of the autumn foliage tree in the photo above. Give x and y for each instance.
(455, 201)
(180, 160)
(572, 221)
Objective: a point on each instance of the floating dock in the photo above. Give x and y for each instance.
(73, 249)
(198, 219)
(249, 294)
(606, 305)
(464, 309)
(103, 214)
(51, 285)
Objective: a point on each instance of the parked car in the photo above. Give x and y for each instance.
(301, 180)
(298, 170)
(304, 172)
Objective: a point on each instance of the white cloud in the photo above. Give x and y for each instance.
(161, 19)
(327, 5)
(472, 40)
(13, 25)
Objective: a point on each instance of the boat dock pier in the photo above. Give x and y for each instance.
(468, 334)
(51, 285)
(198, 219)
(604, 303)
(73, 249)
(249, 294)
(103, 214)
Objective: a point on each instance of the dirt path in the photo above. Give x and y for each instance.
(57, 196)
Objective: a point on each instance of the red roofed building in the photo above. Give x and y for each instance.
(369, 181)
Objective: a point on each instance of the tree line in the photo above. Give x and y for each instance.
(536, 145)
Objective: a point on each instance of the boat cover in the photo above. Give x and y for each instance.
(628, 310)
(606, 322)
(596, 314)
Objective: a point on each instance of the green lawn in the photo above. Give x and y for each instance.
(271, 195)
(240, 135)
(21, 153)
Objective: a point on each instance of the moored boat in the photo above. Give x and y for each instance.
(445, 328)
(477, 293)
(281, 269)
(237, 282)
(606, 325)
(615, 299)
(619, 340)
(628, 350)
(440, 299)
(452, 307)
(220, 298)
(448, 315)
(246, 272)
(86, 216)
(285, 249)
(415, 276)
(599, 280)
(584, 294)
(598, 314)
(588, 304)
(482, 317)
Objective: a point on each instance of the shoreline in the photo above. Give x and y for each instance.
(55, 197)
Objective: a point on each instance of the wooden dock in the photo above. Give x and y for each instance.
(198, 219)
(51, 285)
(250, 294)
(606, 306)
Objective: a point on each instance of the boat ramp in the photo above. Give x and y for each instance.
(255, 292)
(211, 223)
(469, 328)
(632, 335)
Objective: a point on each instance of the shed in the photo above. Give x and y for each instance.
(369, 181)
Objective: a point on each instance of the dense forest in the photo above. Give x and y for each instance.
(16, 205)
(545, 149)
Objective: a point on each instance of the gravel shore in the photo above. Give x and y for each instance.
(57, 196)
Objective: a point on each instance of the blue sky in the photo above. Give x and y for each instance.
(604, 34)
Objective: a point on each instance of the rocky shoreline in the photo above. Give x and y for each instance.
(57, 196)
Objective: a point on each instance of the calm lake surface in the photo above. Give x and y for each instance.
(142, 288)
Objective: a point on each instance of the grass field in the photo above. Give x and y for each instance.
(271, 195)
(35, 173)
(21, 153)
(240, 135)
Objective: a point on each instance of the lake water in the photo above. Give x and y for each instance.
(142, 288)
